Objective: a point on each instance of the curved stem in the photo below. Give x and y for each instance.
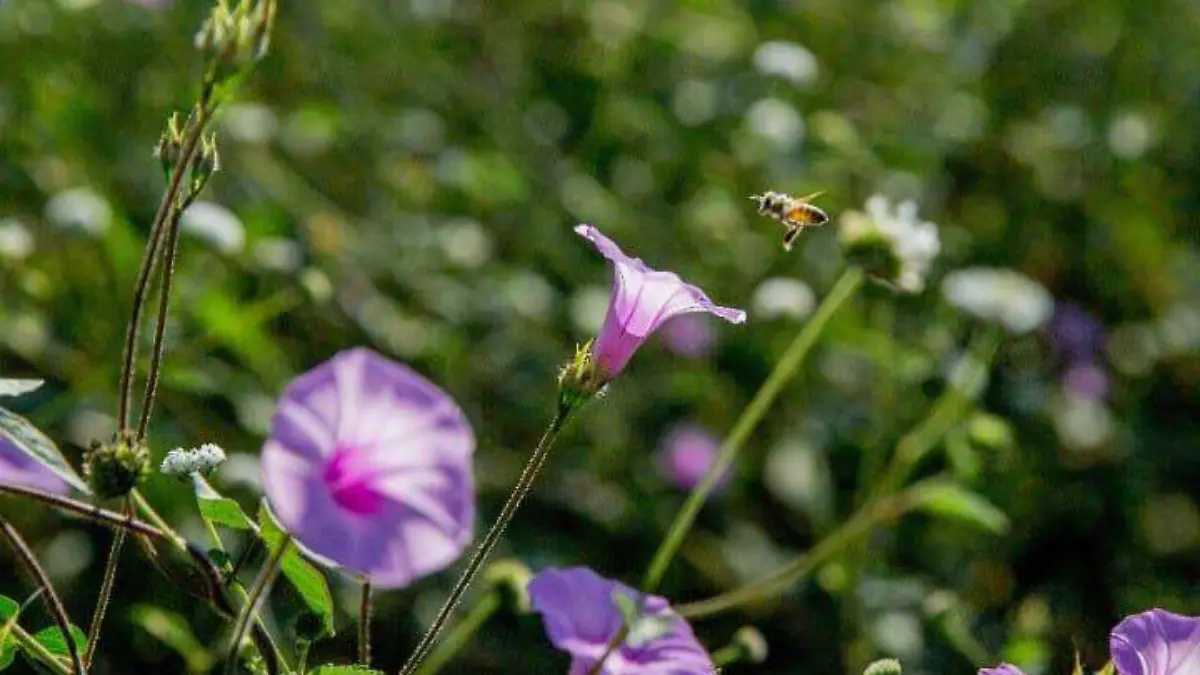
(127, 522)
(784, 370)
(364, 624)
(255, 596)
(461, 634)
(106, 589)
(479, 557)
(53, 603)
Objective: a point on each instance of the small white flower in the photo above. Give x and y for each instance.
(79, 209)
(892, 244)
(203, 459)
(216, 225)
(1001, 296)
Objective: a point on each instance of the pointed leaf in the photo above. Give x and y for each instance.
(22, 435)
(955, 502)
(217, 508)
(52, 639)
(9, 611)
(16, 386)
(303, 575)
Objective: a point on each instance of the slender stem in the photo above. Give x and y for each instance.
(479, 557)
(784, 371)
(127, 522)
(39, 652)
(142, 286)
(862, 523)
(53, 603)
(106, 589)
(364, 624)
(302, 656)
(257, 593)
(461, 634)
(160, 326)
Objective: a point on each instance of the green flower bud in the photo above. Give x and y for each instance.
(116, 467)
(579, 380)
(232, 39)
(511, 579)
(884, 667)
(170, 144)
(753, 644)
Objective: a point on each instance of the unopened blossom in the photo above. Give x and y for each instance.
(203, 459)
(892, 245)
(1156, 642)
(1001, 296)
(368, 465)
(685, 454)
(18, 468)
(643, 299)
(582, 614)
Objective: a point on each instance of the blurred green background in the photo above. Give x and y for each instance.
(406, 174)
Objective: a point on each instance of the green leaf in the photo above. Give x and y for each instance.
(26, 438)
(175, 632)
(16, 387)
(954, 502)
(9, 611)
(346, 670)
(52, 639)
(217, 508)
(303, 575)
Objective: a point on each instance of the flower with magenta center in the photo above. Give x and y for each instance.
(581, 614)
(643, 299)
(368, 465)
(1156, 642)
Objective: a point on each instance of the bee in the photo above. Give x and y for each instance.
(796, 213)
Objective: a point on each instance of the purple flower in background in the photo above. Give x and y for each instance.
(18, 468)
(1002, 669)
(1077, 333)
(580, 612)
(1156, 643)
(642, 300)
(368, 464)
(1087, 381)
(686, 453)
(689, 335)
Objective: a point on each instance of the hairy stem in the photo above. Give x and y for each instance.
(53, 603)
(479, 557)
(106, 589)
(785, 370)
(90, 511)
(364, 624)
(461, 634)
(160, 327)
(255, 596)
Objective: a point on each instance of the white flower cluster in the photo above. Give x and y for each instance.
(892, 244)
(204, 459)
(1000, 296)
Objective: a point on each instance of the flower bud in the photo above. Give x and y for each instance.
(884, 667)
(579, 380)
(752, 644)
(511, 579)
(232, 39)
(170, 144)
(204, 165)
(116, 467)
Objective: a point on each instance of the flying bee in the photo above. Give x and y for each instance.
(794, 212)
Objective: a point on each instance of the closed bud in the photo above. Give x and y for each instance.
(232, 39)
(116, 467)
(884, 667)
(204, 165)
(752, 643)
(579, 380)
(511, 579)
(170, 144)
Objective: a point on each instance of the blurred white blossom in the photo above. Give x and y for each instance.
(1000, 296)
(891, 244)
(216, 225)
(783, 296)
(788, 60)
(16, 242)
(79, 209)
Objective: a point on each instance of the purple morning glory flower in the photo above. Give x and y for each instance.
(1156, 642)
(580, 612)
(18, 468)
(1002, 669)
(642, 300)
(368, 465)
(1087, 381)
(689, 335)
(685, 455)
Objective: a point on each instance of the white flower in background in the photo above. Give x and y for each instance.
(892, 245)
(16, 242)
(782, 296)
(79, 209)
(1000, 296)
(788, 60)
(204, 459)
(216, 225)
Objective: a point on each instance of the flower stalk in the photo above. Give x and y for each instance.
(364, 624)
(254, 598)
(461, 634)
(106, 587)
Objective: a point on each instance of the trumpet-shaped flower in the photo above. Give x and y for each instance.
(1156, 642)
(582, 614)
(18, 468)
(642, 300)
(368, 465)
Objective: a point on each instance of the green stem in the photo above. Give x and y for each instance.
(364, 624)
(479, 557)
(90, 511)
(53, 603)
(106, 589)
(157, 349)
(39, 652)
(783, 373)
(258, 592)
(862, 523)
(461, 634)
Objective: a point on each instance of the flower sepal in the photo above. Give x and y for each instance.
(579, 380)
